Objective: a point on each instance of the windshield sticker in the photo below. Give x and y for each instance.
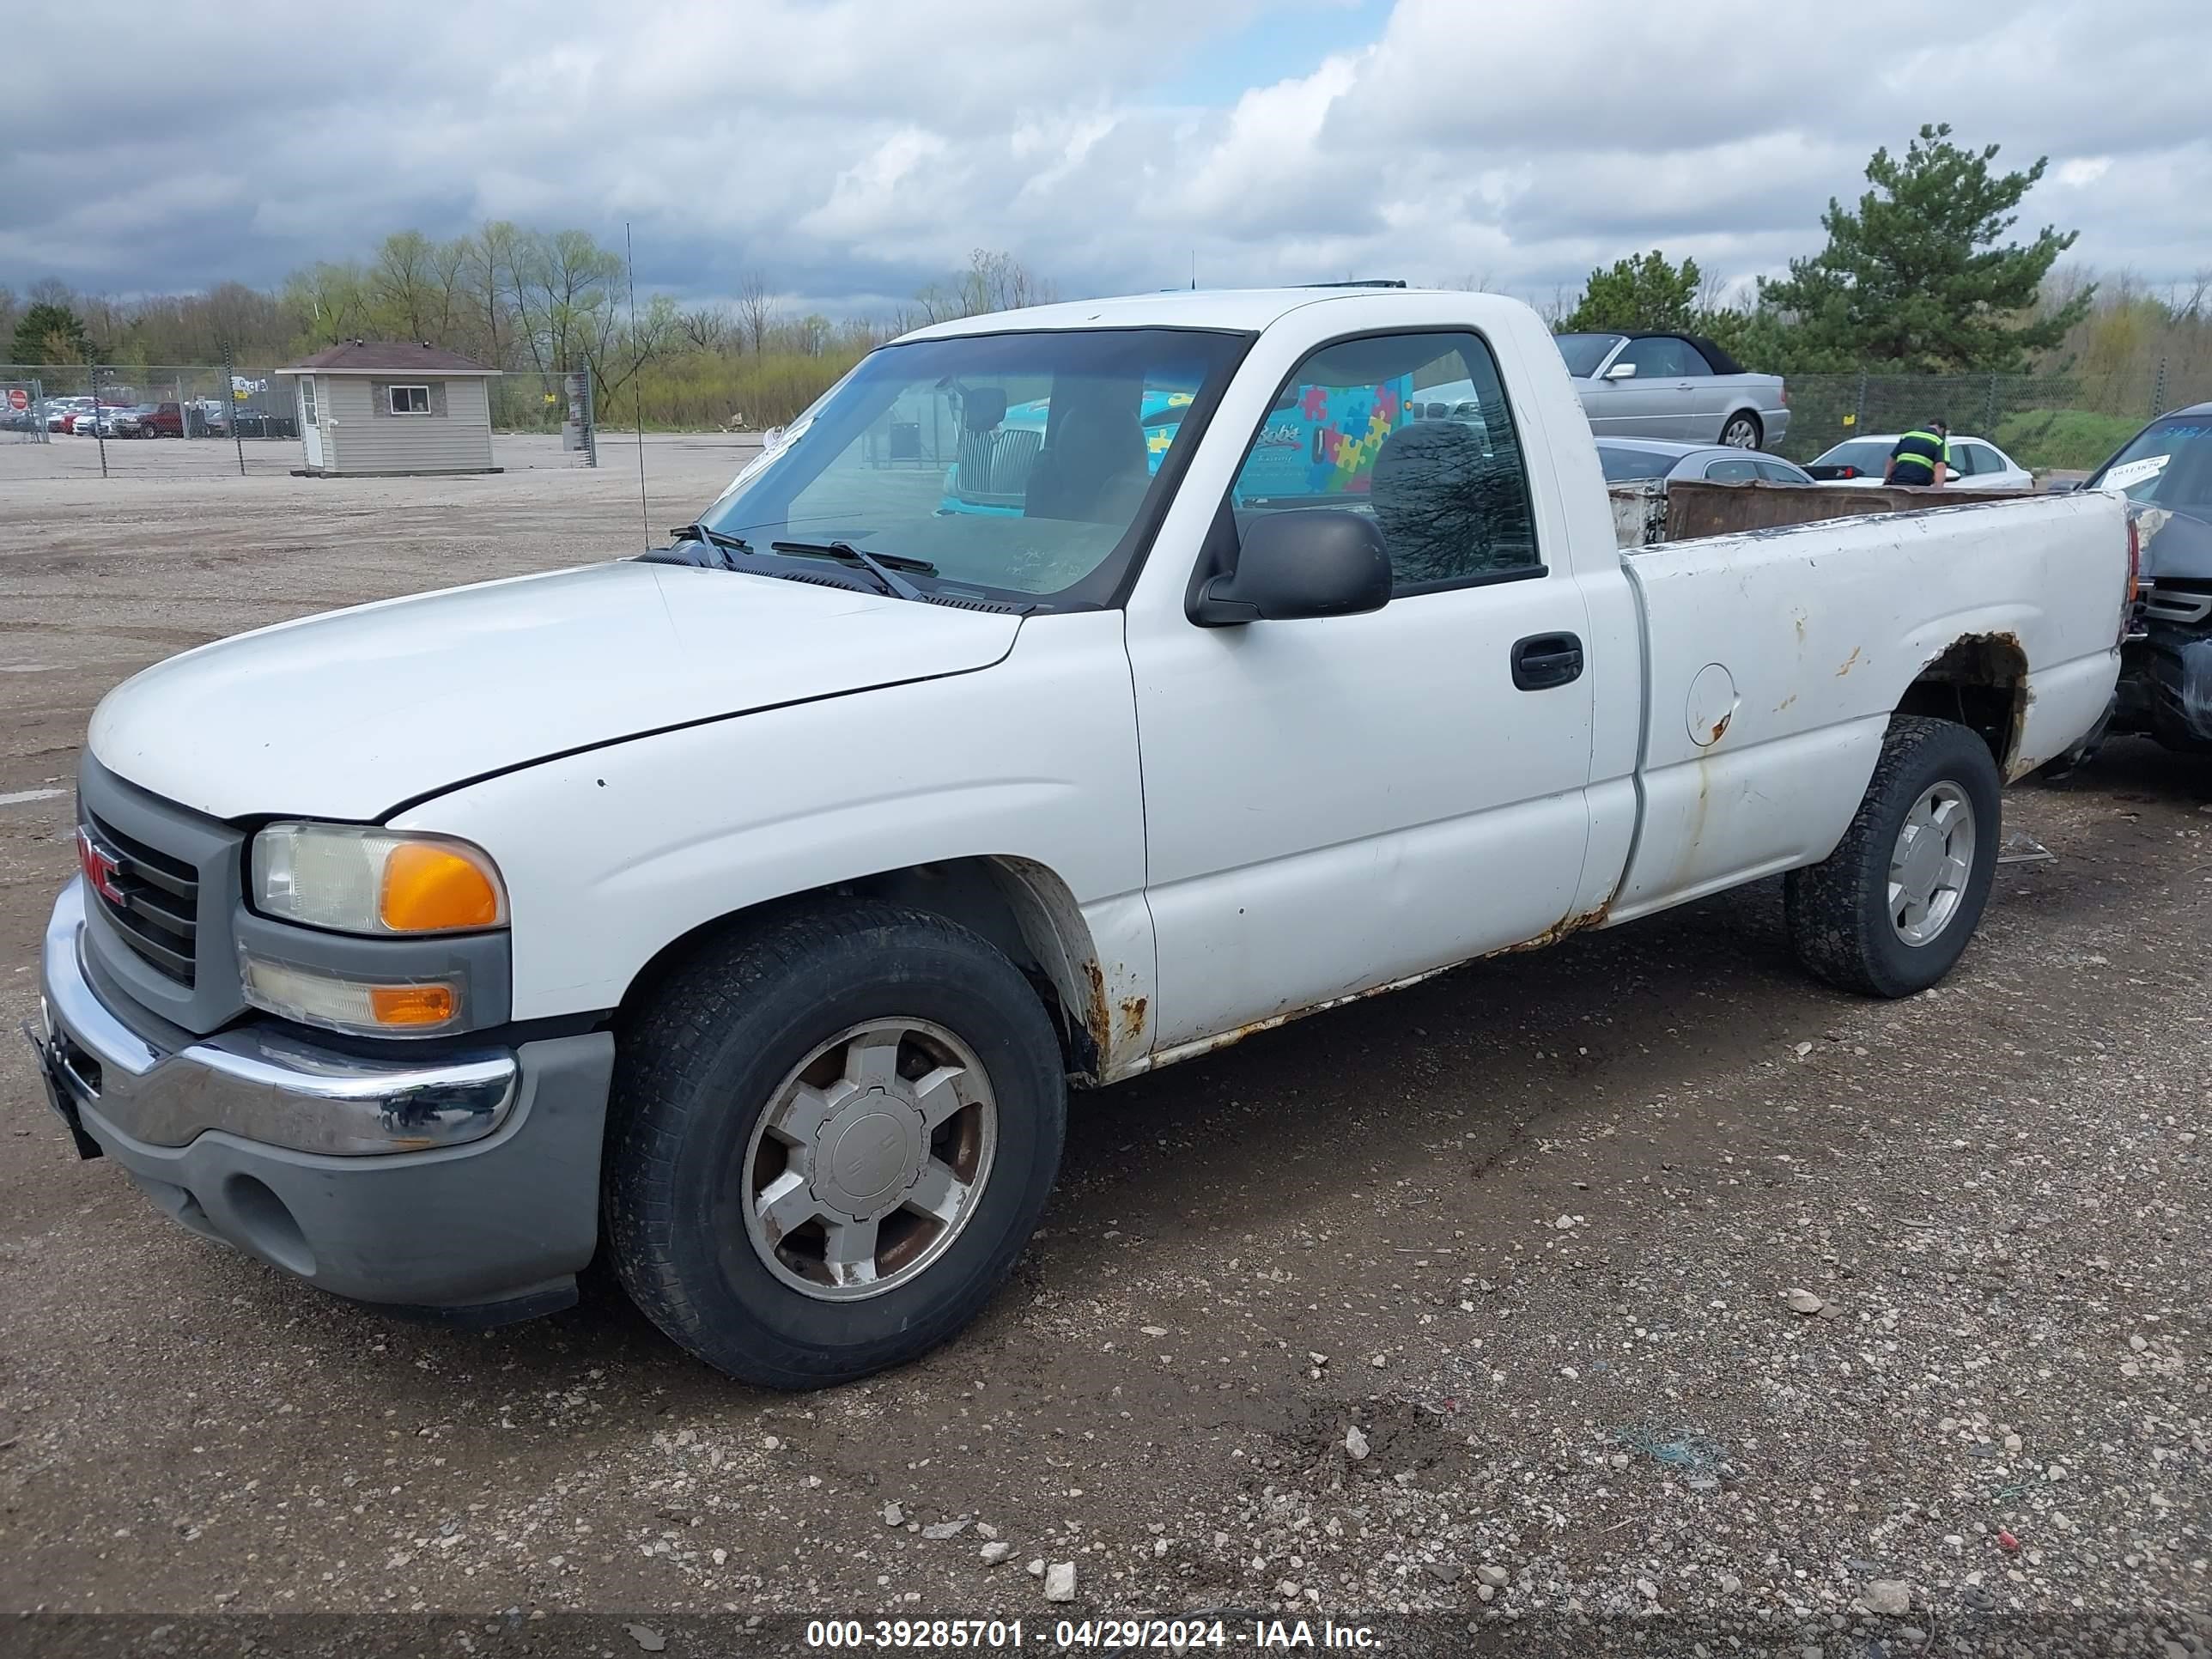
(2128, 474)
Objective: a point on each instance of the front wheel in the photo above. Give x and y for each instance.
(1890, 911)
(829, 1140)
(1741, 432)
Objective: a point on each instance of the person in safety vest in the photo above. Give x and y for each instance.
(1921, 457)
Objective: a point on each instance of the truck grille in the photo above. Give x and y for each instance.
(152, 898)
(2179, 600)
(995, 466)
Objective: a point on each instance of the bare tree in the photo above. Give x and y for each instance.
(707, 328)
(492, 285)
(402, 285)
(993, 280)
(756, 310)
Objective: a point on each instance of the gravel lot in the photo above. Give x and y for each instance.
(1637, 1278)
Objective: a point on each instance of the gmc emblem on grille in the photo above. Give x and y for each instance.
(99, 866)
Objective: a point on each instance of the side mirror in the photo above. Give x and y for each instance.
(1309, 561)
(1621, 371)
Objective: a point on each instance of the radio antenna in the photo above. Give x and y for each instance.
(637, 385)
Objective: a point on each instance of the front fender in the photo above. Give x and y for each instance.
(612, 854)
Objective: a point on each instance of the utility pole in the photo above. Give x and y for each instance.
(99, 421)
(230, 406)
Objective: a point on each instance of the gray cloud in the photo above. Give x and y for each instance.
(854, 150)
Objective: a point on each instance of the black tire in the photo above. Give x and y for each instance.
(1838, 908)
(698, 1066)
(1749, 422)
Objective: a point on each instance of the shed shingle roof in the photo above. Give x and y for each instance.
(386, 357)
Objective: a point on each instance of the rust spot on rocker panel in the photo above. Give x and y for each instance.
(1133, 1015)
(1094, 1015)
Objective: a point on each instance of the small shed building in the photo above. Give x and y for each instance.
(373, 408)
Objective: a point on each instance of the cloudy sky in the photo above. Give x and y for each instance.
(853, 149)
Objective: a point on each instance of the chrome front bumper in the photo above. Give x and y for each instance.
(163, 1087)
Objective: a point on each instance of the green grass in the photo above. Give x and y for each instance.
(2063, 437)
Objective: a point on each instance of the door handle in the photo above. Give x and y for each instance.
(1544, 661)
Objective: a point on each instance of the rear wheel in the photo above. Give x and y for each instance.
(829, 1140)
(1892, 909)
(1742, 431)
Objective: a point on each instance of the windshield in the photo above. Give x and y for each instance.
(1585, 352)
(1868, 455)
(2169, 465)
(1627, 465)
(1018, 465)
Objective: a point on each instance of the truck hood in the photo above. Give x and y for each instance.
(2176, 544)
(347, 715)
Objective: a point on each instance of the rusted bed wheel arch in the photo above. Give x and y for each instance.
(1980, 680)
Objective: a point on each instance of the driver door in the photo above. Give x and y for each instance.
(1338, 804)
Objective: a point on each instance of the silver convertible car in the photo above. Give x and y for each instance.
(1680, 387)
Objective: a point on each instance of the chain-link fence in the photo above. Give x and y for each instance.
(106, 420)
(2043, 422)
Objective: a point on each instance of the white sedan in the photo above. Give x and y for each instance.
(1976, 464)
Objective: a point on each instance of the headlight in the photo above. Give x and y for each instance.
(353, 879)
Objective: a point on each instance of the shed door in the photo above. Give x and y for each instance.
(311, 426)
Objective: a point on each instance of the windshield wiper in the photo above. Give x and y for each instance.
(884, 567)
(699, 532)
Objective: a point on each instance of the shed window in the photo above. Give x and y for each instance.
(308, 399)
(410, 399)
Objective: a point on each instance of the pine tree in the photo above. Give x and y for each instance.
(1650, 292)
(1915, 278)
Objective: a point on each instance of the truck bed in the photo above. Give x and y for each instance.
(1765, 712)
(1653, 511)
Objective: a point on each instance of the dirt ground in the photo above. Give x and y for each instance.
(1478, 1303)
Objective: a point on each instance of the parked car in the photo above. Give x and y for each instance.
(1975, 464)
(699, 961)
(1680, 387)
(62, 412)
(158, 421)
(131, 422)
(1626, 461)
(102, 423)
(2165, 471)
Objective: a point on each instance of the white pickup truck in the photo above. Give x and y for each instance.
(744, 910)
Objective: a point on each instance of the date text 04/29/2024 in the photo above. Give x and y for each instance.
(1084, 1635)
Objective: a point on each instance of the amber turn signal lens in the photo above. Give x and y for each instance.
(410, 1004)
(433, 889)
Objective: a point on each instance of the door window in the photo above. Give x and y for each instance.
(1351, 429)
(1967, 459)
(1661, 357)
(1733, 470)
(1782, 472)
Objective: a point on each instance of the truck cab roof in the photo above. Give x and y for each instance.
(1243, 311)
